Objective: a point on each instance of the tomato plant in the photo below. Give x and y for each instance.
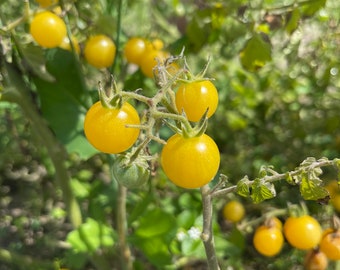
(190, 162)
(100, 51)
(268, 240)
(106, 129)
(315, 260)
(233, 211)
(302, 232)
(195, 98)
(47, 29)
(330, 244)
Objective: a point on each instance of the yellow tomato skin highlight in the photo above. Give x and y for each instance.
(190, 162)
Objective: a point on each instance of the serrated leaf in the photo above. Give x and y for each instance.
(262, 190)
(242, 187)
(256, 53)
(293, 20)
(311, 187)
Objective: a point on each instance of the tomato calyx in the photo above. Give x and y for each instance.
(110, 98)
(188, 130)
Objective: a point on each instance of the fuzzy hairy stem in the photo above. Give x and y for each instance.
(207, 234)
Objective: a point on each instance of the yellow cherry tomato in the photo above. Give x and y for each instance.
(100, 51)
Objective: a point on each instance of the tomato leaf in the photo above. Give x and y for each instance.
(262, 190)
(64, 102)
(155, 249)
(155, 222)
(90, 236)
(293, 20)
(311, 187)
(256, 53)
(34, 60)
(311, 7)
(242, 188)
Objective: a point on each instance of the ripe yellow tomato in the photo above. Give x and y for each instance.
(194, 98)
(190, 162)
(330, 244)
(268, 241)
(149, 61)
(233, 211)
(134, 50)
(315, 260)
(105, 128)
(47, 29)
(303, 232)
(100, 51)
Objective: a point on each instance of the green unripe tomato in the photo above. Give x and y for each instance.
(130, 174)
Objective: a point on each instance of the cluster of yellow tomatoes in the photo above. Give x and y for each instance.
(49, 31)
(302, 232)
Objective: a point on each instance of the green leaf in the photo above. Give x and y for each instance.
(311, 7)
(262, 190)
(242, 188)
(154, 223)
(311, 187)
(256, 53)
(90, 236)
(155, 249)
(34, 58)
(65, 101)
(293, 20)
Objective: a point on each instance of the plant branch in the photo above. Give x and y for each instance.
(207, 234)
(125, 253)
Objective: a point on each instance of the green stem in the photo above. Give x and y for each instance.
(18, 92)
(207, 234)
(117, 41)
(125, 253)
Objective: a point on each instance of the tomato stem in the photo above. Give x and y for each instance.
(207, 233)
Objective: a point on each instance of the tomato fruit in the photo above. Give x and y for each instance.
(149, 61)
(105, 128)
(194, 98)
(330, 244)
(157, 44)
(47, 29)
(233, 211)
(100, 51)
(46, 3)
(134, 50)
(315, 260)
(190, 162)
(268, 241)
(130, 175)
(303, 232)
(274, 222)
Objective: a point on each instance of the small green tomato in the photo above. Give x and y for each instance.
(131, 174)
